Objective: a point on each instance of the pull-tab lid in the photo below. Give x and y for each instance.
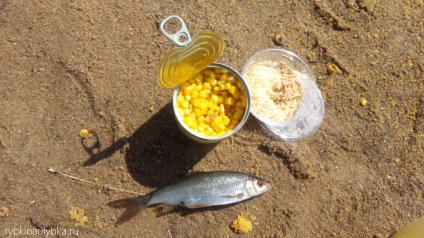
(181, 64)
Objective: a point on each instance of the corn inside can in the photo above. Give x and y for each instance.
(210, 108)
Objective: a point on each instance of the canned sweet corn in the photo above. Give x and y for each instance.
(212, 105)
(211, 101)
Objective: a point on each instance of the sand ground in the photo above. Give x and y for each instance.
(69, 65)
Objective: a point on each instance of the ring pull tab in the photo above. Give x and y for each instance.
(181, 37)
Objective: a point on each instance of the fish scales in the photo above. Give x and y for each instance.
(207, 189)
(198, 190)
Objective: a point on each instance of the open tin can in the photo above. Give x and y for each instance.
(184, 64)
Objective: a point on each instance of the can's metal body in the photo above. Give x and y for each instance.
(212, 139)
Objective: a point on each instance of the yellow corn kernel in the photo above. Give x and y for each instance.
(221, 127)
(232, 89)
(196, 102)
(221, 85)
(215, 108)
(187, 90)
(228, 86)
(225, 120)
(243, 96)
(185, 104)
(186, 84)
(194, 94)
(214, 99)
(214, 82)
(214, 125)
(229, 114)
(188, 97)
(199, 87)
(231, 79)
(221, 108)
(204, 109)
(229, 101)
(202, 127)
(243, 99)
(207, 86)
(207, 72)
(216, 88)
(194, 126)
(186, 111)
(218, 120)
(239, 104)
(210, 112)
(238, 115)
(180, 98)
(188, 120)
(207, 127)
(232, 126)
(180, 111)
(220, 70)
(197, 112)
(239, 85)
(209, 104)
(209, 131)
(200, 119)
(244, 103)
(240, 109)
(203, 94)
(224, 78)
(199, 76)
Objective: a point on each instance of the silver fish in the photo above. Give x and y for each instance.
(202, 189)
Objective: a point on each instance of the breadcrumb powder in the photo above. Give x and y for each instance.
(276, 91)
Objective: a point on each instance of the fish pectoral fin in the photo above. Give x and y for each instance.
(238, 196)
(166, 207)
(196, 206)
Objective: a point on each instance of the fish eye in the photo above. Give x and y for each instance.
(260, 183)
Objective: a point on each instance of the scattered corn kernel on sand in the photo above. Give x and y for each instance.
(4, 212)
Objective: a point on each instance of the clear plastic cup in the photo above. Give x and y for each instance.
(308, 117)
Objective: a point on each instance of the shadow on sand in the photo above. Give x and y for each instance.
(158, 153)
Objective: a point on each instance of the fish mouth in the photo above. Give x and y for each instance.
(268, 187)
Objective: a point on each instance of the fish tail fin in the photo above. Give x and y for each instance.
(132, 205)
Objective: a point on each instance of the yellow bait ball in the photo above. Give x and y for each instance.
(241, 224)
(363, 102)
(79, 216)
(84, 133)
